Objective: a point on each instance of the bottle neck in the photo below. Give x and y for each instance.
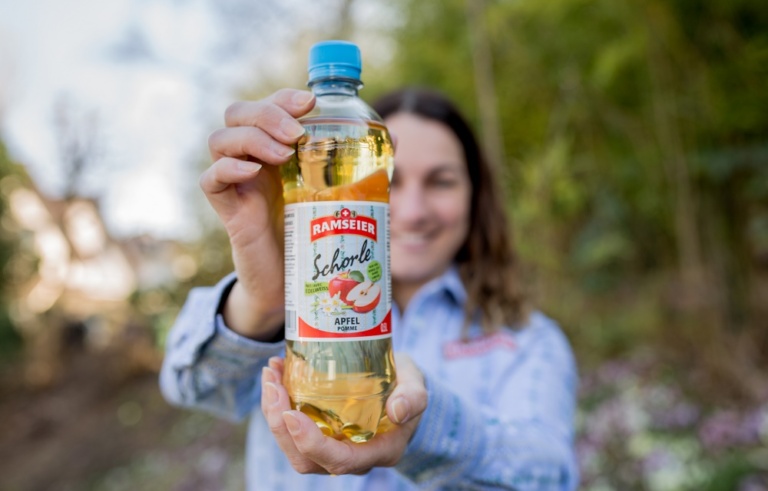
(335, 86)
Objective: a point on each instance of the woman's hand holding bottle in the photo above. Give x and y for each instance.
(311, 452)
(243, 186)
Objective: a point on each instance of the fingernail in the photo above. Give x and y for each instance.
(302, 98)
(292, 423)
(270, 397)
(400, 410)
(248, 166)
(291, 128)
(282, 151)
(268, 375)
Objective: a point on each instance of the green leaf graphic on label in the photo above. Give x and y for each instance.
(357, 276)
(317, 287)
(374, 271)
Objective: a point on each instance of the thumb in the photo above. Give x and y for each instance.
(409, 399)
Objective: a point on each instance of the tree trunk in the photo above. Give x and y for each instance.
(668, 133)
(345, 27)
(485, 87)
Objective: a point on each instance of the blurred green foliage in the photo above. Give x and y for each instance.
(10, 340)
(637, 155)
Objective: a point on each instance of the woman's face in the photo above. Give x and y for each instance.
(429, 199)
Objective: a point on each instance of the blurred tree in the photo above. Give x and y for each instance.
(78, 139)
(482, 58)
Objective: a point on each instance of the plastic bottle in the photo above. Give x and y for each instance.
(339, 365)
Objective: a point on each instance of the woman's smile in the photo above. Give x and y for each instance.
(430, 199)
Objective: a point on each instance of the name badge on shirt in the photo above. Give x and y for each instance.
(479, 346)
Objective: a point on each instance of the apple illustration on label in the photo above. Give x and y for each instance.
(364, 297)
(343, 283)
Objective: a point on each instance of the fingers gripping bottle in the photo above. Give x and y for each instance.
(339, 366)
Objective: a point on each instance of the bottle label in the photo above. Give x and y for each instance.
(337, 284)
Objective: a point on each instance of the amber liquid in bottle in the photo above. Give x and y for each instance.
(342, 385)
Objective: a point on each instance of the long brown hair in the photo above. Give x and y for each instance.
(487, 262)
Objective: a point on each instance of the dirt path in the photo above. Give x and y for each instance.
(98, 429)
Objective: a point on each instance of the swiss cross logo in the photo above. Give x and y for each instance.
(345, 213)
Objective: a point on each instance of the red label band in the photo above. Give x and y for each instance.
(309, 332)
(345, 224)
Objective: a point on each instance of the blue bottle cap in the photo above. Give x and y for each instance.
(334, 59)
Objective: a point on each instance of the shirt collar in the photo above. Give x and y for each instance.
(449, 282)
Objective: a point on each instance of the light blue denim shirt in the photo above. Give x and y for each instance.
(500, 411)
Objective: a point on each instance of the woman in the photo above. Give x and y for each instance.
(486, 392)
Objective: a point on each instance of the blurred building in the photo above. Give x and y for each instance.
(80, 268)
(76, 287)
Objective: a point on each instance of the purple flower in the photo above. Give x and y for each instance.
(726, 429)
(754, 482)
(679, 416)
(658, 459)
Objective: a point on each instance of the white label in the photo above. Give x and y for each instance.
(337, 284)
